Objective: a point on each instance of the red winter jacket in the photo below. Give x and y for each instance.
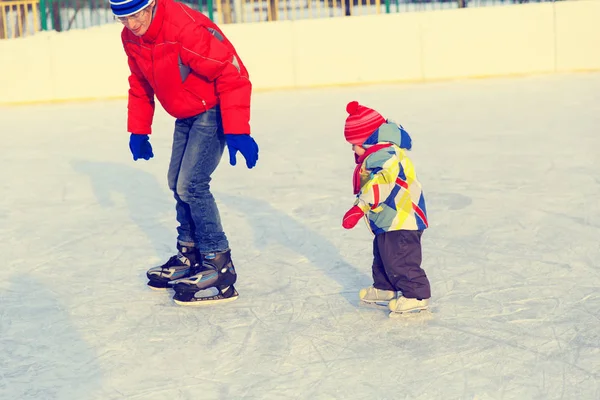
(188, 63)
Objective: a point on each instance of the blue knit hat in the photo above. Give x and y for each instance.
(124, 8)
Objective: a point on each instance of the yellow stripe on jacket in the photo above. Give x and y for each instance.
(391, 195)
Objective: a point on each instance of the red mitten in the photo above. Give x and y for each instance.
(352, 217)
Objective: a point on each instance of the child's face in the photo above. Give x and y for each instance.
(359, 150)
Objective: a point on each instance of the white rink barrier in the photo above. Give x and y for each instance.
(407, 47)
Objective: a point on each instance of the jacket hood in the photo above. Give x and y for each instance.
(390, 132)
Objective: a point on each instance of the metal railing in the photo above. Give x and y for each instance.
(64, 15)
(24, 17)
(18, 18)
(238, 11)
(279, 10)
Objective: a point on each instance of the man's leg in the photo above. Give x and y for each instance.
(187, 259)
(186, 228)
(201, 156)
(214, 281)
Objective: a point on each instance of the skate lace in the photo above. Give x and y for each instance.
(173, 261)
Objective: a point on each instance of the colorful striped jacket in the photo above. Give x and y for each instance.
(390, 194)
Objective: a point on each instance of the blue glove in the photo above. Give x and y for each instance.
(140, 147)
(246, 145)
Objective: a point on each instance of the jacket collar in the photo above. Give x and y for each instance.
(157, 22)
(359, 160)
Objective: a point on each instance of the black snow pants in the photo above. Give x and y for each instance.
(397, 264)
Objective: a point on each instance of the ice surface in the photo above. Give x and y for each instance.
(511, 172)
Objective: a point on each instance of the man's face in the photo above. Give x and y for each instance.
(139, 22)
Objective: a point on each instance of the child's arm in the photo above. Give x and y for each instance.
(384, 166)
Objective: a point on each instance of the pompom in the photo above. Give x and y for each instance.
(352, 107)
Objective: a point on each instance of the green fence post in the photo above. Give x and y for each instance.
(209, 5)
(387, 6)
(43, 15)
(51, 14)
(93, 13)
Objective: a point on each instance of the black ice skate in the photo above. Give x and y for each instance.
(179, 266)
(212, 283)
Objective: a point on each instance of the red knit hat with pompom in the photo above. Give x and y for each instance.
(361, 123)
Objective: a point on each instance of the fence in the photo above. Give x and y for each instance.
(64, 15)
(24, 17)
(237, 11)
(18, 18)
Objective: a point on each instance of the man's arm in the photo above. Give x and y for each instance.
(140, 106)
(211, 58)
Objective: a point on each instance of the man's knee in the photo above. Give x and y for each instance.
(193, 190)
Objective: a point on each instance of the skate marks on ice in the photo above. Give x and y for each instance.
(447, 201)
(43, 354)
(272, 227)
(546, 336)
(148, 203)
(305, 349)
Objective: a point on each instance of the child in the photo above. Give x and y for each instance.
(390, 196)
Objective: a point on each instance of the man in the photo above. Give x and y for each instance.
(181, 57)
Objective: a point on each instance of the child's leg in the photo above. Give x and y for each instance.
(400, 252)
(382, 290)
(380, 278)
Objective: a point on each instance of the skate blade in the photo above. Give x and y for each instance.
(420, 314)
(374, 304)
(207, 302)
(187, 300)
(159, 288)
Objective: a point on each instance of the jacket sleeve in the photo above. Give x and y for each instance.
(384, 166)
(215, 60)
(140, 106)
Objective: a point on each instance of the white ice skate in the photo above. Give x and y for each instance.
(376, 297)
(403, 305)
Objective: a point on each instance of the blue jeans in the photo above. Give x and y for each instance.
(198, 144)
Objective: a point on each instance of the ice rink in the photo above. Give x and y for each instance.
(511, 175)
